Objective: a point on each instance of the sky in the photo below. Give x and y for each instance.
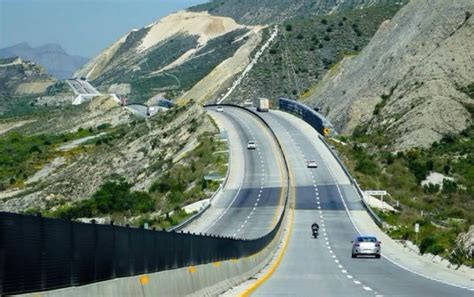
(81, 27)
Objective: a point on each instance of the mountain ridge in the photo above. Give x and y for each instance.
(408, 82)
(51, 56)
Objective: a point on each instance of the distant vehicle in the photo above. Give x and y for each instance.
(248, 104)
(366, 245)
(263, 105)
(83, 78)
(311, 164)
(251, 145)
(220, 109)
(315, 229)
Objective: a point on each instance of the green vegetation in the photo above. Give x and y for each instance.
(308, 48)
(11, 105)
(112, 197)
(182, 183)
(442, 211)
(21, 155)
(58, 88)
(179, 79)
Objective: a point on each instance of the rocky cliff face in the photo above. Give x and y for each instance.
(52, 56)
(270, 11)
(18, 77)
(170, 56)
(136, 150)
(411, 81)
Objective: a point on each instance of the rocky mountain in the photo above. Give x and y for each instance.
(198, 53)
(171, 55)
(307, 48)
(64, 156)
(19, 77)
(254, 12)
(52, 56)
(411, 82)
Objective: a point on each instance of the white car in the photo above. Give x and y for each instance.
(251, 145)
(311, 164)
(220, 109)
(366, 245)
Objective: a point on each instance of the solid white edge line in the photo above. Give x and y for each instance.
(385, 257)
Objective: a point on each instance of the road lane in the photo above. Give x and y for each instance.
(252, 209)
(324, 267)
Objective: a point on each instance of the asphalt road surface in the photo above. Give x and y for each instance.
(323, 266)
(250, 204)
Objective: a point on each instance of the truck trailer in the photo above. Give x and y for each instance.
(263, 105)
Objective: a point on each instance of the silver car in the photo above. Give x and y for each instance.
(366, 245)
(251, 145)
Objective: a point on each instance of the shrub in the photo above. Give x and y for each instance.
(289, 28)
(431, 188)
(426, 244)
(449, 186)
(436, 249)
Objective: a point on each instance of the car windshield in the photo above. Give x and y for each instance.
(251, 142)
(366, 239)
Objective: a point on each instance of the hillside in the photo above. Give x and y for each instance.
(20, 82)
(60, 162)
(253, 12)
(411, 83)
(171, 55)
(307, 48)
(51, 56)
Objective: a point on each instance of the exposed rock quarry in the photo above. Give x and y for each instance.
(408, 82)
(201, 24)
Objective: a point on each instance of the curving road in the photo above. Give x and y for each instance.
(324, 267)
(250, 203)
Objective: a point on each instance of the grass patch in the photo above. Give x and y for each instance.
(441, 213)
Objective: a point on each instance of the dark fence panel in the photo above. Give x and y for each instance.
(315, 119)
(42, 254)
(39, 254)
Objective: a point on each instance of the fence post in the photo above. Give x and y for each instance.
(71, 253)
(131, 259)
(41, 252)
(114, 252)
(95, 249)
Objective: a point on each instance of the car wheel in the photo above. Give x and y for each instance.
(354, 256)
(377, 256)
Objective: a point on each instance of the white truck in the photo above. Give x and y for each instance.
(263, 105)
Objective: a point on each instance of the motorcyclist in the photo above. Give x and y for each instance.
(315, 229)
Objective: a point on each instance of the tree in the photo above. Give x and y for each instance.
(289, 27)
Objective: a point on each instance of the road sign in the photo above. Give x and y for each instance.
(326, 131)
(376, 193)
(417, 228)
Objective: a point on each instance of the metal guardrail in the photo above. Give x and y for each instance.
(38, 254)
(359, 191)
(318, 122)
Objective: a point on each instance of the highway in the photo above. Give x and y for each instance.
(249, 205)
(82, 87)
(323, 266)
